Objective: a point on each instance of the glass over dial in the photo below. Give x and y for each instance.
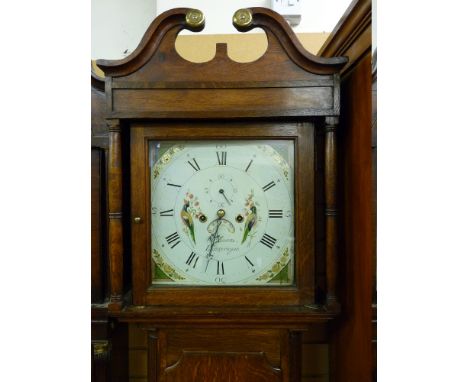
(222, 212)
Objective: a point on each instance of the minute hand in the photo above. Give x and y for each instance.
(213, 239)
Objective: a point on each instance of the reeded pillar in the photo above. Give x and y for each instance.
(331, 212)
(114, 174)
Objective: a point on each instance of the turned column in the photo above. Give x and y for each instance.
(115, 214)
(331, 249)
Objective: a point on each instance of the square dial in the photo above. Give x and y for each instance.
(222, 212)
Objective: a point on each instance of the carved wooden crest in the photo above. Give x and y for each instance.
(156, 82)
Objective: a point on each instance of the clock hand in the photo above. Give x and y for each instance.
(221, 191)
(214, 238)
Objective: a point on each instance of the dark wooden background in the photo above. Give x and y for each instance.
(353, 349)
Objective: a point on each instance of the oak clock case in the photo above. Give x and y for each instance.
(223, 194)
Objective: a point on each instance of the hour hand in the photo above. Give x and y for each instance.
(221, 191)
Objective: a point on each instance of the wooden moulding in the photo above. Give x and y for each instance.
(96, 81)
(99, 133)
(352, 35)
(155, 82)
(294, 317)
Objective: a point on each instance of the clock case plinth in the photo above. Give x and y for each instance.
(287, 88)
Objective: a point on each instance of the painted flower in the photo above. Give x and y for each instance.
(276, 267)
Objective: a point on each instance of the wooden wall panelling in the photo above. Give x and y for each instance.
(352, 335)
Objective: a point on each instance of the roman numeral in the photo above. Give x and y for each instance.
(173, 238)
(220, 268)
(221, 158)
(268, 240)
(275, 213)
(193, 256)
(248, 260)
(167, 213)
(248, 166)
(266, 187)
(194, 165)
(173, 185)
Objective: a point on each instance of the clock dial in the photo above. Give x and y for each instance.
(222, 212)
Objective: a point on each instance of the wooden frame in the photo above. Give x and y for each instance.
(301, 292)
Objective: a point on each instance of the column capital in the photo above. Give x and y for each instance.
(331, 121)
(113, 125)
(331, 124)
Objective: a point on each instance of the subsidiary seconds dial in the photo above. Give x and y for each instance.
(222, 213)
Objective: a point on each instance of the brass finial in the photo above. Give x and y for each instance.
(242, 17)
(221, 213)
(194, 18)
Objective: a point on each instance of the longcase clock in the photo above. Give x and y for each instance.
(222, 192)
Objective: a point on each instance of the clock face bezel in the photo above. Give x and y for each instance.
(147, 293)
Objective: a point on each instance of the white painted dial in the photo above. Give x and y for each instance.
(222, 213)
